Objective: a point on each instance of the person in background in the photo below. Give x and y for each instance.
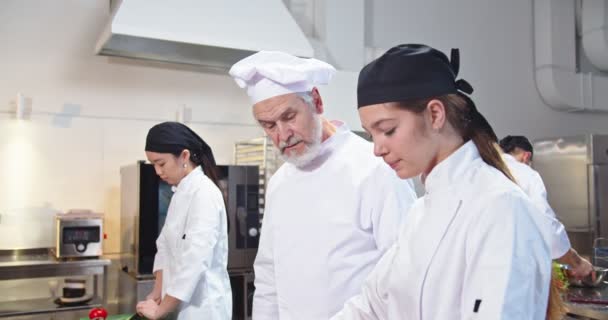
(190, 266)
(519, 147)
(474, 246)
(332, 209)
(517, 154)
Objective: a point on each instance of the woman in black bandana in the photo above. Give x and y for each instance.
(474, 246)
(190, 265)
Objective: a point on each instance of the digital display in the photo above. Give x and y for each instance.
(80, 234)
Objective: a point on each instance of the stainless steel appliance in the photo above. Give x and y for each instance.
(241, 188)
(132, 290)
(78, 234)
(575, 172)
(145, 200)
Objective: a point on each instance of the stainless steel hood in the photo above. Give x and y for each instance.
(214, 34)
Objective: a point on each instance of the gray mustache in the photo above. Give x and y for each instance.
(290, 142)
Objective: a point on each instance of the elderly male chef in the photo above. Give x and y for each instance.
(332, 209)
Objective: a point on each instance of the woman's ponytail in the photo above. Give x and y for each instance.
(204, 158)
(479, 130)
(462, 114)
(464, 117)
(489, 153)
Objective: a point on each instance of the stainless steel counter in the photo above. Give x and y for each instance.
(40, 263)
(596, 305)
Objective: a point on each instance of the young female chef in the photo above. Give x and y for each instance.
(190, 265)
(473, 247)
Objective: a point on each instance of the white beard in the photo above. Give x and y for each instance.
(311, 149)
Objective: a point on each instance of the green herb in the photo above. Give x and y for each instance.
(560, 276)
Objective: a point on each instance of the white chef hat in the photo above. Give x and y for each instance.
(268, 74)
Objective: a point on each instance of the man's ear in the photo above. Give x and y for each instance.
(317, 101)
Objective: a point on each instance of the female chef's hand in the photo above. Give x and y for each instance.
(148, 309)
(154, 295)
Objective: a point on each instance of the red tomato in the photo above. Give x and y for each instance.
(98, 314)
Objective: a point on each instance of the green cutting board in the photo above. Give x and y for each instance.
(116, 317)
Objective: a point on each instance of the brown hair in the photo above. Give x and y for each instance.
(459, 115)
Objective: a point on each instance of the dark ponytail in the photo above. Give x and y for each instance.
(481, 132)
(469, 123)
(489, 153)
(204, 158)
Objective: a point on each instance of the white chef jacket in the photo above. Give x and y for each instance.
(473, 247)
(193, 250)
(325, 227)
(532, 184)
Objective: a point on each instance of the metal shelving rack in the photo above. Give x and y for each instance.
(258, 152)
(40, 263)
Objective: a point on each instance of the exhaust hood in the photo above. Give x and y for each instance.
(213, 34)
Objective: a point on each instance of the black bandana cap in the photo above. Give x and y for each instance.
(174, 137)
(416, 71)
(408, 72)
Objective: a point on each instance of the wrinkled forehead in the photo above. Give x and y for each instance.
(274, 108)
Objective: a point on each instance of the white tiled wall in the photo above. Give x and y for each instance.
(89, 116)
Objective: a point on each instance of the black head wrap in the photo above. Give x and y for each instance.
(174, 137)
(415, 71)
(509, 143)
